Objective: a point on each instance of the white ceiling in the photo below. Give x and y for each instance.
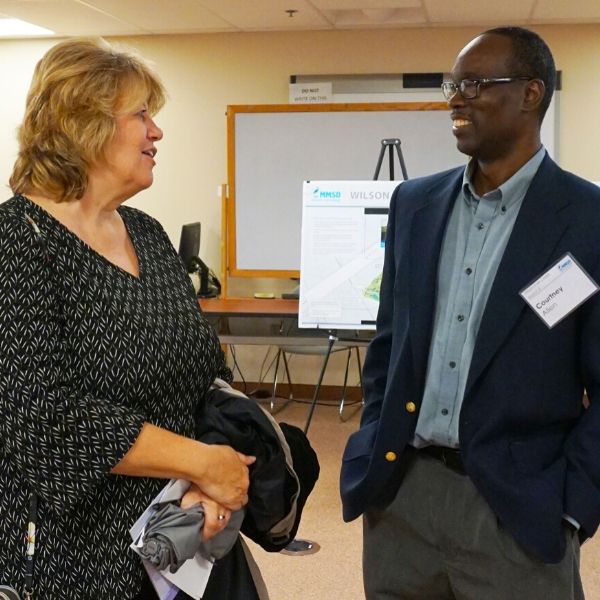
(139, 17)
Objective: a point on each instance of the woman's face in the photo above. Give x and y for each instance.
(130, 155)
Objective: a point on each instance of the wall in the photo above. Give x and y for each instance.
(205, 73)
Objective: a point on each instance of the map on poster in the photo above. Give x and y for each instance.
(344, 226)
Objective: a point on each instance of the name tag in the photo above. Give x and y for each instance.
(559, 291)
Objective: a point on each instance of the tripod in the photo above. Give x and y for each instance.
(390, 144)
(386, 144)
(298, 546)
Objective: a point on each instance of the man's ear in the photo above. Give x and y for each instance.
(534, 94)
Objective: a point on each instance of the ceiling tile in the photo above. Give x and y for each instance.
(567, 11)
(468, 11)
(131, 17)
(67, 17)
(164, 16)
(268, 15)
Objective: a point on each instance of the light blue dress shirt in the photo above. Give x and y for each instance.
(476, 236)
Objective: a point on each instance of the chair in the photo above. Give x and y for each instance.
(325, 351)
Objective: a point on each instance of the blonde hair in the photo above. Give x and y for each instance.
(76, 91)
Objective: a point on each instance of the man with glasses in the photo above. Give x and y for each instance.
(477, 465)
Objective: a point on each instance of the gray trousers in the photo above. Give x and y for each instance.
(439, 540)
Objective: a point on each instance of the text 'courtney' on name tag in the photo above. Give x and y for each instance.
(559, 291)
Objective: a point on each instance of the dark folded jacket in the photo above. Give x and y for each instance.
(286, 467)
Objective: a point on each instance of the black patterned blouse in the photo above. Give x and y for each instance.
(88, 353)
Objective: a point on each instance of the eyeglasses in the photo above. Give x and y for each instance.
(469, 88)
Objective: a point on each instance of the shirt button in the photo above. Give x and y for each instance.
(480, 226)
(411, 407)
(461, 318)
(391, 456)
(452, 364)
(444, 411)
(468, 270)
(503, 209)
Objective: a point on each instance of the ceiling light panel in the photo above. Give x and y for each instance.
(469, 12)
(365, 4)
(265, 15)
(367, 18)
(66, 17)
(11, 28)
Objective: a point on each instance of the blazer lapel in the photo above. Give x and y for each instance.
(426, 236)
(536, 233)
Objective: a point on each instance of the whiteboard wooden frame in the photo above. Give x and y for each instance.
(232, 268)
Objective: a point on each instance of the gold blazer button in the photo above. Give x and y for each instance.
(411, 407)
(391, 456)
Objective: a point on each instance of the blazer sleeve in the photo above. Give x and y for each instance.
(62, 442)
(582, 448)
(377, 360)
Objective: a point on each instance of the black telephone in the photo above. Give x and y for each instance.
(210, 286)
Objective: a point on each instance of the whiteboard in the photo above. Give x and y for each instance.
(273, 149)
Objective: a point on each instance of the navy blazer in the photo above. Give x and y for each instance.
(528, 444)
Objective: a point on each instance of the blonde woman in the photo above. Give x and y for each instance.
(104, 355)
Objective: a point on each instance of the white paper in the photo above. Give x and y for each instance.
(163, 587)
(559, 291)
(344, 227)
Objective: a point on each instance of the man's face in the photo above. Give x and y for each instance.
(490, 126)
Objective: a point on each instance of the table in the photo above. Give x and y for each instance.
(249, 307)
(274, 322)
(246, 321)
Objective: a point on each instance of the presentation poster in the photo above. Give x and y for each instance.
(344, 226)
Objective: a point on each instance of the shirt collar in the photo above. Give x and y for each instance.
(512, 189)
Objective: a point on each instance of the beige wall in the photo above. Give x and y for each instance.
(205, 73)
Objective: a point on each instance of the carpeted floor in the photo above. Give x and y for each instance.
(334, 572)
